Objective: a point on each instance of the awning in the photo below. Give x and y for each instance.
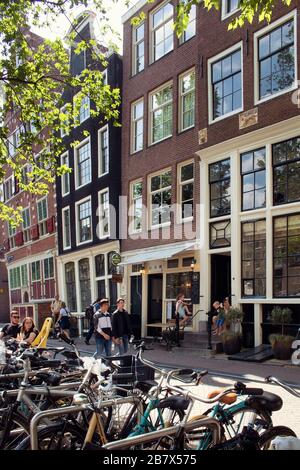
(156, 254)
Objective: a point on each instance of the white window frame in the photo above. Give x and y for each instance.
(21, 275)
(43, 222)
(157, 173)
(26, 230)
(77, 204)
(133, 125)
(65, 209)
(12, 178)
(132, 228)
(182, 39)
(262, 32)
(76, 151)
(211, 61)
(105, 77)
(152, 110)
(225, 14)
(44, 271)
(84, 111)
(100, 132)
(102, 236)
(135, 45)
(11, 231)
(179, 191)
(62, 109)
(65, 176)
(40, 271)
(182, 95)
(152, 30)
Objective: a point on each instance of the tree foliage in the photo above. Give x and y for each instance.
(32, 85)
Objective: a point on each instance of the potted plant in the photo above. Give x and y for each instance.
(232, 335)
(280, 342)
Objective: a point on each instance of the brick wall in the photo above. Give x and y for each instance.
(212, 38)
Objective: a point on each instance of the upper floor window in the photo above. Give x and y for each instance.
(35, 271)
(104, 213)
(138, 59)
(253, 172)
(66, 226)
(103, 151)
(9, 188)
(48, 268)
(136, 206)
(161, 113)
(160, 198)
(42, 210)
(190, 30)
(187, 100)
(137, 125)
(84, 111)
(11, 236)
(276, 60)
(84, 218)
(162, 31)
(219, 179)
(229, 7)
(65, 179)
(78, 62)
(63, 121)
(286, 171)
(226, 84)
(26, 224)
(186, 191)
(83, 164)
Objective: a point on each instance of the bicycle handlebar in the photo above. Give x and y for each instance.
(273, 380)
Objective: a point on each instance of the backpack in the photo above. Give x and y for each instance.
(89, 312)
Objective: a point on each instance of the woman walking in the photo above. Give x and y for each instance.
(64, 320)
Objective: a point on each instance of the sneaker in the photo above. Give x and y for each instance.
(209, 347)
(87, 342)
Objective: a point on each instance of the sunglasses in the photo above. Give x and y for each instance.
(15, 316)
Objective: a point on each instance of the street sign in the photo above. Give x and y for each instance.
(117, 278)
(116, 258)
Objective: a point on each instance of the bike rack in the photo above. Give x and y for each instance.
(69, 410)
(167, 432)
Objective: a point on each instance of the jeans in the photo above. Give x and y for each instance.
(103, 344)
(123, 347)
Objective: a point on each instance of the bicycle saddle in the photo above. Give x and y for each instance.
(228, 399)
(267, 401)
(174, 403)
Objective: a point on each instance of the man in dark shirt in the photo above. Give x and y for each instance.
(13, 328)
(121, 328)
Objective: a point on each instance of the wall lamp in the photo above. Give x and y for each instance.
(142, 270)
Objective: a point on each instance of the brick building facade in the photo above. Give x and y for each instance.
(235, 118)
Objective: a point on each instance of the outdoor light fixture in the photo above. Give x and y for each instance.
(142, 270)
(193, 263)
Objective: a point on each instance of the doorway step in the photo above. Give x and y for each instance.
(258, 354)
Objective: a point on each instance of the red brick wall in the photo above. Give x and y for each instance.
(212, 38)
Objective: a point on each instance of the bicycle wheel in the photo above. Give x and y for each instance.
(60, 436)
(18, 430)
(277, 431)
(260, 420)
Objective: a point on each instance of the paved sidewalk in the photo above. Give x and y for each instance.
(216, 364)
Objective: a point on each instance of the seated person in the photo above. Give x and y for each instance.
(28, 331)
(182, 311)
(11, 329)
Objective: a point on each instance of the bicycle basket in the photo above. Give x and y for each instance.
(129, 370)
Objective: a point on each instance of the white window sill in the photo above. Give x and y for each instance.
(220, 118)
(161, 140)
(280, 93)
